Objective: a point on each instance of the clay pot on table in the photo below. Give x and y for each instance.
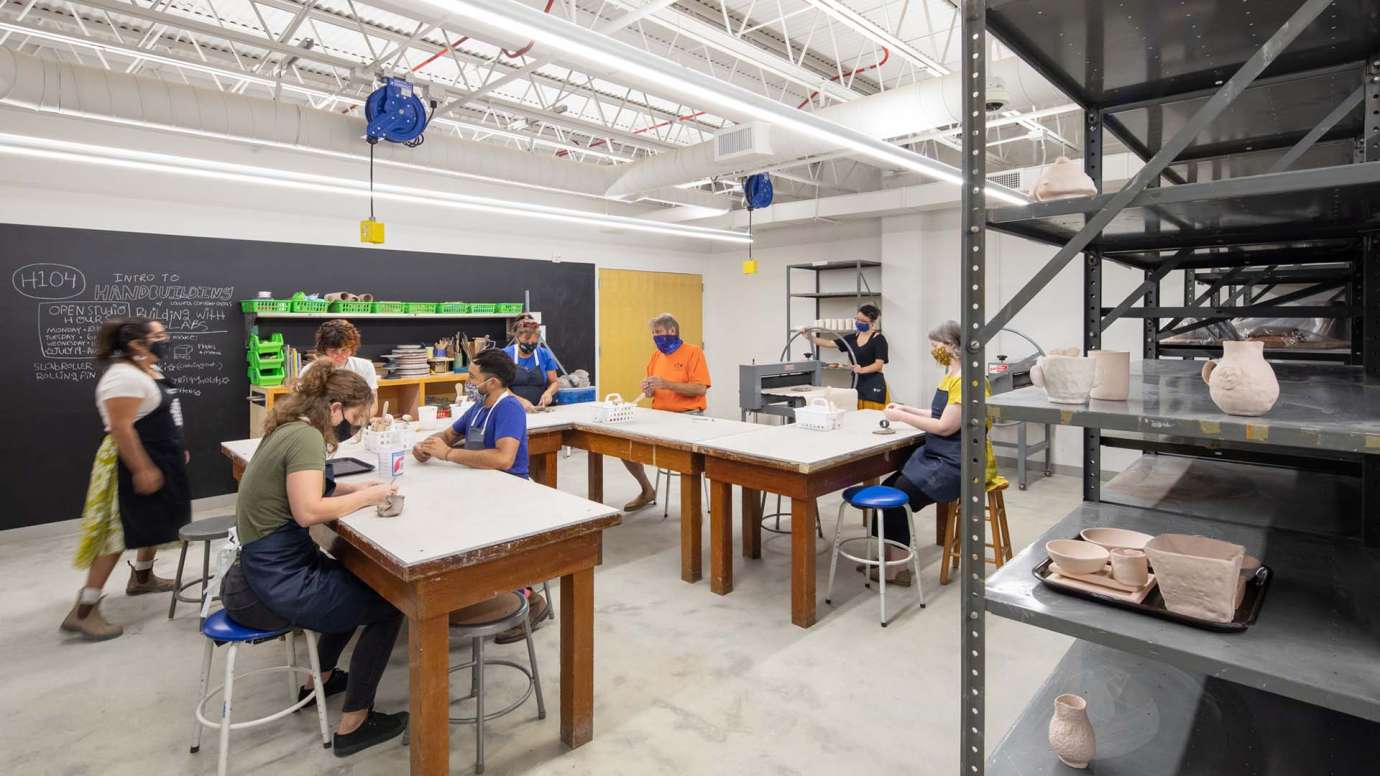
(1242, 382)
(1198, 576)
(1070, 732)
(1066, 379)
(1111, 375)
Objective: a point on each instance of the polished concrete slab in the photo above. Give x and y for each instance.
(687, 682)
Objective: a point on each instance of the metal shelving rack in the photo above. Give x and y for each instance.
(1263, 119)
(862, 289)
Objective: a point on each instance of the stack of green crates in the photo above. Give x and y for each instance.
(266, 360)
(483, 308)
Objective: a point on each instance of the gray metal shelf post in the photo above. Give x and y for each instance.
(1092, 303)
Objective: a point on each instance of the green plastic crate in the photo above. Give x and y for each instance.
(387, 307)
(310, 306)
(484, 308)
(266, 346)
(352, 307)
(508, 308)
(265, 306)
(266, 377)
(420, 308)
(452, 308)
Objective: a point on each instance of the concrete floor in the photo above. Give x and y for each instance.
(687, 682)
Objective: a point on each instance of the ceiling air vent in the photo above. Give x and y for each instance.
(1011, 180)
(744, 140)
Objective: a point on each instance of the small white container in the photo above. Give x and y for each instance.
(426, 415)
(613, 410)
(818, 415)
(395, 438)
(390, 462)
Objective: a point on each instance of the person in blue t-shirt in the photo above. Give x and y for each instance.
(493, 433)
(536, 382)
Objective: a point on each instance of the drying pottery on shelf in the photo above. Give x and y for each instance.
(1111, 376)
(1070, 732)
(1198, 577)
(1130, 567)
(1242, 382)
(1114, 538)
(1077, 557)
(1064, 179)
(1067, 379)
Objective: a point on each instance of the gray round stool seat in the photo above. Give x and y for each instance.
(477, 623)
(207, 531)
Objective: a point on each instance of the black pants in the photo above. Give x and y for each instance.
(894, 521)
(381, 623)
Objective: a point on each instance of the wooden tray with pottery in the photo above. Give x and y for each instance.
(1251, 595)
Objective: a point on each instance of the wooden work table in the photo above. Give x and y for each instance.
(404, 395)
(467, 535)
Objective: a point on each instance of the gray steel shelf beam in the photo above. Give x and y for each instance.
(1345, 250)
(1342, 272)
(1246, 311)
(1328, 461)
(1316, 133)
(1171, 349)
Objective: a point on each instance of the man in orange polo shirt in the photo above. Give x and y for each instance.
(677, 381)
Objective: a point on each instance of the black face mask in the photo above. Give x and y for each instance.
(527, 347)
(345, 430)
(159, 349)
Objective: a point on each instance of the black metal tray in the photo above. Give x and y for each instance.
(344, 467)
(1153, 605)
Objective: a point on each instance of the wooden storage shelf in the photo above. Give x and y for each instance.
(404, 396)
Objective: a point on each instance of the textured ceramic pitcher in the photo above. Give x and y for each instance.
(1070, 732)
(1066, 379)
(1242, 382)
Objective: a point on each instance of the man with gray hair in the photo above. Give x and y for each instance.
(677, 381)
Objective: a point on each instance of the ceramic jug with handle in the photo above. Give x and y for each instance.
(1242, 382)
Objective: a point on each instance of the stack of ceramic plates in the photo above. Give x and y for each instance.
(408, 361)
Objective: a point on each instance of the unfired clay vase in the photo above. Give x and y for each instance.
(1198, 576)
(1070, 733)
(1064, 179)
(1242, 382)
(1112, 376)
(1066, 379)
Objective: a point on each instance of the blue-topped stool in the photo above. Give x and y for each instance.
(219, 629)
(871, 499)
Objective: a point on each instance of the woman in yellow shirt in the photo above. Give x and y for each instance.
(932, 473)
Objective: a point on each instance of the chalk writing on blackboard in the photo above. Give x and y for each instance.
(45, 280)
(67, 330)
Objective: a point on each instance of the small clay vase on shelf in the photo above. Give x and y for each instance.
(1112, 375)
(1242, 382)
(1070, 732)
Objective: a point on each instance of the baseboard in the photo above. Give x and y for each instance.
(42, 531)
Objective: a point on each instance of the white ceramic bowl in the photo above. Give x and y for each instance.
(1077, 557)
(1114, 538)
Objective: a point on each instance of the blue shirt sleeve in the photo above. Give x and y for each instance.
(462, 424)
(510, 420)
(546, 360)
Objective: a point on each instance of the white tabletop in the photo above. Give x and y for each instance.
(672, 427)
(791, 446)
(453, 510)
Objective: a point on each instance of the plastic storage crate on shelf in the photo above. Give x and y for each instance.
(310, 306)
(483, 308)
(508, 308)
(351, 307)
(419, 308)
(453, 308)
(265, 306)
(394, 308)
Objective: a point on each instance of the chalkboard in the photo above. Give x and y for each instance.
(65, 282)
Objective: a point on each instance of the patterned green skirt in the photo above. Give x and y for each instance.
(102, 533)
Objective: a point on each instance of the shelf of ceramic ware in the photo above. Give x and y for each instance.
(1320, 406)
(1317, 638)
(1153, 719)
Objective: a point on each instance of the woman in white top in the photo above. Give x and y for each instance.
(139, 494)
(337, 341)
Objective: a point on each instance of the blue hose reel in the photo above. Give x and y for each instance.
(395, 114)
(757, 191)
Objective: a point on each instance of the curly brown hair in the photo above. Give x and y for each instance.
(319, 388)
(337, 333)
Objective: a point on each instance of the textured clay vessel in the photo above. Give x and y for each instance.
(1242, 382)
(1066, 379)
(1112, 378)
(1198, 577)
(1070, 733)
(1064, 179)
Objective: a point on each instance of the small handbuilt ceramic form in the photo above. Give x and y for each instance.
(1064, 179)
(1112, 378)
(1198, 577)
(1242, 382)
(1070, 733)
(1067, 379)
(391, 507)
(1130, 567)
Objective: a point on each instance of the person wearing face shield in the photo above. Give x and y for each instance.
(677, 381)
(535, 382)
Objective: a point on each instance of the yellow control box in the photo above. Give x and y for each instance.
(371, 231)
(750, 267)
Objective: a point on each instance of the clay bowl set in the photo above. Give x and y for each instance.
(1113, 558)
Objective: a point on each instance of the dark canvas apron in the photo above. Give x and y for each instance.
(872, 386)
(474, 435)
(154, 519)
(299, 583)
(530, 382)
(934, 467)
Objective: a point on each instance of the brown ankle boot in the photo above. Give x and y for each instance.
(92, 627)
(154, 584)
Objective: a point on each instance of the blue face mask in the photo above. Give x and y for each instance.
(667, 343)
(862, 326)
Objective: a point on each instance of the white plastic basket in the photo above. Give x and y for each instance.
(613, 410)
(818, 415)
(394, 438)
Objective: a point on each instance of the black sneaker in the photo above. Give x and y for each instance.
(376, 729)
(334, 686)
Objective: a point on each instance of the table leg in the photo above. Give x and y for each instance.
(752, 523)
(429, 687)
(544, 469)
(943, 513)
(577, 658)
(691, 528)
(803, 562)
(596, 477)
(721, 537)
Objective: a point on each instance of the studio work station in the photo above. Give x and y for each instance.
(520, 387)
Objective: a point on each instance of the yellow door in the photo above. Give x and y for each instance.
(627, 301)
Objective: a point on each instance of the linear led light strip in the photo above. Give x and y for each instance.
(617, 56)
(59, 150)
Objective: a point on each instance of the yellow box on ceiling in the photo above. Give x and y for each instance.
(371, 231)
(750, 267)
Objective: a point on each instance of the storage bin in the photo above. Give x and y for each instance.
(387, 307)
(266, 377)
(508, 308)
(351, 307)
(575, 395)
(310, 306)
(818, 415)
(453, 308)
(420, 308)
(613, 410)
(483, 308)
(265, 306)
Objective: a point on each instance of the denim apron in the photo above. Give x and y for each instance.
(530, 382)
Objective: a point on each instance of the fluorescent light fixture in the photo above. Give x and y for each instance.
(621, 58)
(874, 32)
(123, 158)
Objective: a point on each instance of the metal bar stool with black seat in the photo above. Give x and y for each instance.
(477, 623)
(996, 522)
(208, 530)
(872, 499)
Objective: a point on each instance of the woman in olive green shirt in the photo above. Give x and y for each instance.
(282, 578)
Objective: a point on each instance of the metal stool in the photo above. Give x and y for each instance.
(220, 629)
(208, 530)
(478, 623)
(775, 518)
(996, 520)
(872, 499)
(666, 505)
